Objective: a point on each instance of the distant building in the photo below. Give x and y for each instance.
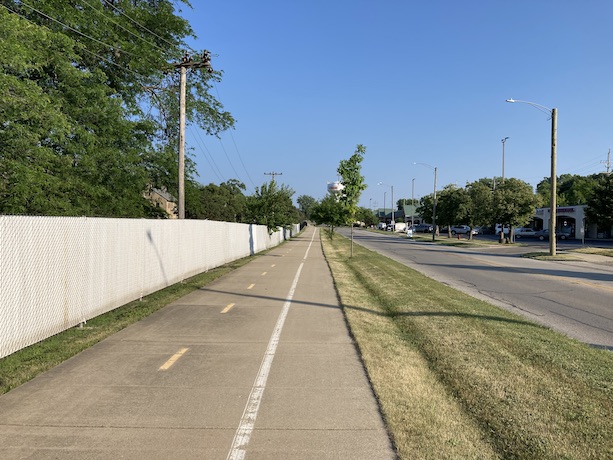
(573, 218)
(164, 200)
(400, 215)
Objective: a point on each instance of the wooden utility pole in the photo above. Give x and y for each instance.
(273, 174)
(608, 162)
(186, 62)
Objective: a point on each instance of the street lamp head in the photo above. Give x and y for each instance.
(510, 100)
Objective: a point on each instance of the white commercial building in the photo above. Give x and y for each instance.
(572, 217)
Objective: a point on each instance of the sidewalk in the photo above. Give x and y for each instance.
(259, 363)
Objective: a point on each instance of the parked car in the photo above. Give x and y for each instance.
(498, 228)
(485, 230)
(525, 232)
(561, 233)
(462, 230)
(422, 228)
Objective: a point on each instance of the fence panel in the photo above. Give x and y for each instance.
(56, 272)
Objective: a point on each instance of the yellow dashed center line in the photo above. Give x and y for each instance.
(173, 359)
(228, 308)
(251, 286)
(264, 273)
(273, 265)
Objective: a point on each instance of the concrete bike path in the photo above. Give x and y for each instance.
(257, 365)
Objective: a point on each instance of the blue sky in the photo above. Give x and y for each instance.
(413, 81)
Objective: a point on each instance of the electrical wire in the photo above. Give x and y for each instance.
(210, 160)
(229, 161)
(122, 27)
(83, 48)
(145, 28)
(234, 141)
(75, 30)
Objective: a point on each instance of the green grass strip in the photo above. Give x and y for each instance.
(457, 377)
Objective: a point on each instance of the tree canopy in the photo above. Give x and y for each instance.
(89, 105)
(271, 206)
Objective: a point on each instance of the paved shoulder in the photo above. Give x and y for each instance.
(258, 364)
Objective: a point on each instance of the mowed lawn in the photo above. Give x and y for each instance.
(458, 378)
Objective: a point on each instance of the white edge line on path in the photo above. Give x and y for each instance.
(247, 423)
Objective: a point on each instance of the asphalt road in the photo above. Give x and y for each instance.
(573, 297)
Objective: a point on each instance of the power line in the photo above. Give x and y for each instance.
(145, 28)
(122, 27)
(76, 31)
(229, 161)
(210, 158)
(83, 47)
(235, 146)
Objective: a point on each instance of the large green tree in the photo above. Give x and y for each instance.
(479, 210)
(572, 189)
(353, 182)
(272, 206)
(225, 202)
(83, 130)
(306, 204)
(452, 208)
(513, 203)
(600, 204)
(329, 211)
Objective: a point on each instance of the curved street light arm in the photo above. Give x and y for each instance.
(540, 107)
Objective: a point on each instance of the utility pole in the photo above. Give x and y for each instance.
(273, 174)
(186, 62)
(608, 162)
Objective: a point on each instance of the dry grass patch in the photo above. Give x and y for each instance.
(598, 251)
(459, 378)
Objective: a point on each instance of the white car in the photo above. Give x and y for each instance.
(462, 230)
(525, 232)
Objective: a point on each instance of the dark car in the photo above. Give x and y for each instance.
(422, 228)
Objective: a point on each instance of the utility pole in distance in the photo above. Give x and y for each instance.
(186, 62)
(273, 174)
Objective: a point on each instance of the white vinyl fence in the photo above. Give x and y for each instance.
(56, 272)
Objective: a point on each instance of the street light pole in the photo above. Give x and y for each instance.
(412, 202)
(392, 222)
(384, 208)
(503, 141)
(434, 203)
(553, 217)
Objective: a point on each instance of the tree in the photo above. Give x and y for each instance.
(425, 207)
(452, 206)
(306, 204)
(479, 210)
(225, 202)
(83, 132)
(271, 206)
(600, 204)
(366, 215)
(329, 211)
(572, 189)
(353, 182)
(513, 203)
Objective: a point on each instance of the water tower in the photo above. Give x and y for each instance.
(335, 188)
